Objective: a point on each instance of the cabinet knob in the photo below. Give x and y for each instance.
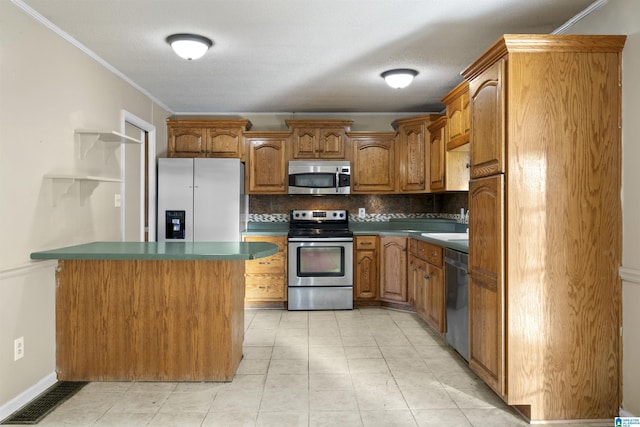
(468, 165)
(434, 254)
(426, 276)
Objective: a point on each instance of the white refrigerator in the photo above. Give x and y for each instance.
(201, 200)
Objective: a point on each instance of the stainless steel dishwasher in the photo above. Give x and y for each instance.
(457, 291)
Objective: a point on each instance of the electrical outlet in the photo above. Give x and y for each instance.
(117, 201)
(18, 348)
(362, 212)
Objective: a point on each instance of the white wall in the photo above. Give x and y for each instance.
(623, 17)
(49, 88)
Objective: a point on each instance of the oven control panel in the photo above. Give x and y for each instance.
(319, 215)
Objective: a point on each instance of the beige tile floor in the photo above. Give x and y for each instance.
(366, 367)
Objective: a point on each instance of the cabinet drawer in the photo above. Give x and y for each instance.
(434, 254)
(274, 264)
(366, 242)
(430, 253)
(267, 287)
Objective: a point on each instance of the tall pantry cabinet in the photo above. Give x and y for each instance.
(545, 223)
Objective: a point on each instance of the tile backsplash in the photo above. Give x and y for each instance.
(378, 207)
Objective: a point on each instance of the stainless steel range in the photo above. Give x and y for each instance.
(320, 260)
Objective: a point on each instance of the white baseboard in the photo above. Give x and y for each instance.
(630, 275)
(624, 413)
(28, 395)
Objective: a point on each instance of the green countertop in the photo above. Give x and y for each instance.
(214, 251)
(396, 227)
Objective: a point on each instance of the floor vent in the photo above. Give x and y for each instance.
(34, 411)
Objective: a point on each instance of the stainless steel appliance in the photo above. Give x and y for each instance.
(201, 200)
(457, 305)
(320, 259)
(320, 177)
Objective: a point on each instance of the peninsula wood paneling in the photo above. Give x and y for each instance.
(149, 320)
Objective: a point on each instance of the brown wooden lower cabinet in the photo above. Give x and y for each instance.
(426, 283)
(366, 268)
(393, 269)
(266, 278)
(142, 320)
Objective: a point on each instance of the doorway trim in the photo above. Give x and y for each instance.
(127, 117)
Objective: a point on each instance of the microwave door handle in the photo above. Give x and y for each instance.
(337, 181)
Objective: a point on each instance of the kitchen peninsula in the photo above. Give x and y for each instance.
(136, 311)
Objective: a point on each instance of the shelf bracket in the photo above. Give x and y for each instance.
(62, 184)
(87, 139)
(60, 187)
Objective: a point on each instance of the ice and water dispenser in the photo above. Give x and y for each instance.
(175, 225)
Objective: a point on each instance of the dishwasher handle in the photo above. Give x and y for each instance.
(457, 264)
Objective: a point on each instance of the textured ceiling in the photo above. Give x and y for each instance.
(298, 55)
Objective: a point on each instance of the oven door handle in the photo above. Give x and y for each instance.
(320, 239)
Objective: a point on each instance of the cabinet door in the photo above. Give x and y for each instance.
(393, 269)
(305, 143)
(486, 281)
(373, 169)
(458, 121)
(419, 282)
(186, 142)
(266, 278)
(434, 297)
(366, 268)
(266, 172)
(331, 143)
(437, 150)
(412, 168)
(224, 143)
(487, 99)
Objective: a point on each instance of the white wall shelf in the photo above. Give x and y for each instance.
(88, 138)
(61, 184)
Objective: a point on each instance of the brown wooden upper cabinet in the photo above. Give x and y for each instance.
(206, 138)
(448, 168)
(437, 150)
(373, 167)
(458, 118)
(266, 166)
(413, 153)
(488, 118)
(319, 139)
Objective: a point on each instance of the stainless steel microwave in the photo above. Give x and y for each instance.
(319, 177)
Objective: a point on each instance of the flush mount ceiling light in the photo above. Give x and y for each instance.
(189, 46)
(399, 78)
